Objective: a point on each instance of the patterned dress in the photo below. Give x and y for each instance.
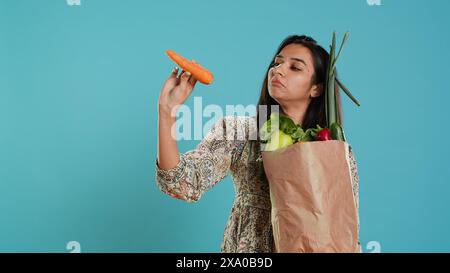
(230, 146)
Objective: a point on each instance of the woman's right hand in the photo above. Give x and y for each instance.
(175, 91)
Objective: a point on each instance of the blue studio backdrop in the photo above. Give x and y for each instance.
(79, 85)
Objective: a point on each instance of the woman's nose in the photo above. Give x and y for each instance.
(278, 70)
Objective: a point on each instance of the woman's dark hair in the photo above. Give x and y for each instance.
(315, 113)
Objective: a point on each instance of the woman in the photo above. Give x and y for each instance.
(295, 82)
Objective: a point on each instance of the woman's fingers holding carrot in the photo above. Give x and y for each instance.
(176, 90)
(171, 81)
(190, 85)
(184, 80)
(192, 81)
(185, 75)
(181, 74)
(174, 71)
(187, 83)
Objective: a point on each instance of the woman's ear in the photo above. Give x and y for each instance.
(316, 90)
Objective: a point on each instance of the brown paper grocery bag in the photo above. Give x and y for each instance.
(313, 206)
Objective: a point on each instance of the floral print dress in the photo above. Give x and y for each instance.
(230, 146)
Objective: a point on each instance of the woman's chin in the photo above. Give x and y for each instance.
(276, 92)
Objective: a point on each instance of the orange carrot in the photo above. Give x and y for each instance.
(198, 72)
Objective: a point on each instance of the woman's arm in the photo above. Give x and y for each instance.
(174, 93)
(168, 154)
(187, 176)
(200, 169)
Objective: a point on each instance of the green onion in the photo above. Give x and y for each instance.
(331, 108)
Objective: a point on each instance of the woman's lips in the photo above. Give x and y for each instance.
(276, 82)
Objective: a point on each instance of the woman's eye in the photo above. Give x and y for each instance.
(294, 68)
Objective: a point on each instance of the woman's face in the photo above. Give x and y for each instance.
(289, 80)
